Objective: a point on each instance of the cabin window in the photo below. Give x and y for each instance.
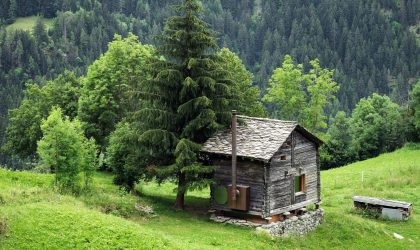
(283, 157)
(300, 183)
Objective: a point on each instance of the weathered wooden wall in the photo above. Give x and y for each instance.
(301, 158)
(272, 184)
(249, 173)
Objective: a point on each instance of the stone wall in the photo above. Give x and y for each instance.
(295, 225)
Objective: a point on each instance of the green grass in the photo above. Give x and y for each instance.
(27, 23)
(39, 218)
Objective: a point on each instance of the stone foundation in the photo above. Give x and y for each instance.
(295, 225)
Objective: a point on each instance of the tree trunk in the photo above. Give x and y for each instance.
(180, 196)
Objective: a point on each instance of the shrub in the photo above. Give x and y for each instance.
(65, 151)
(412, 146)
(121, 156)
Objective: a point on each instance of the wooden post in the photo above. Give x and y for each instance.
(234, 121)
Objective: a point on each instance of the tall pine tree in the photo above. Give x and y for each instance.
(188, 99)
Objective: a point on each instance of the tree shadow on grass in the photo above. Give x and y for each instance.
(164, 203)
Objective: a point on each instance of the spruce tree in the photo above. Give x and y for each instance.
(12, 11)
(187, 100)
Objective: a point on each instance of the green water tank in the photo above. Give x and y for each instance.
(220, 195)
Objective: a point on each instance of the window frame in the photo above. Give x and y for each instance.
(302, 183)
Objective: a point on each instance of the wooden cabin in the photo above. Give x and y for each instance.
(275, 167)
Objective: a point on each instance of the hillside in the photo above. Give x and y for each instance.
(368, 43)
(37, 217)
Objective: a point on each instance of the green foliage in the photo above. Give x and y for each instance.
(12, 11)
(376, 126)
(370, 44)
(120, 153)
(188, 99)
(24, 129)
(248, 95)
(339, 141)
(415, 104)
(322, 89)
(104, 100)
(89, 161)
(286, 90)
(302, 96)
(65, 151)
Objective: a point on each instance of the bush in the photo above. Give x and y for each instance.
(121, 156)
(65, 151)
(122, 204)
(412, 146)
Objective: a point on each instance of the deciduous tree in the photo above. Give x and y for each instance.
(65, 151)
(376, 126)
(24, 129)
(302, 96)
(104, 99)
(248, 102)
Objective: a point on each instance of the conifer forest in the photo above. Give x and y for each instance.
(351, 66)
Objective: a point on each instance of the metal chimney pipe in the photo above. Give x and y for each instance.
(234, 124)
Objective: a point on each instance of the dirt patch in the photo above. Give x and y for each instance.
(3, 226)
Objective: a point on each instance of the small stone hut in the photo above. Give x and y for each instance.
(276, 168)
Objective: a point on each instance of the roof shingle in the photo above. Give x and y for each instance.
(257, 138)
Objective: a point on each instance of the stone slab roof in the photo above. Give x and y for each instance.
(257, 138)
(382, 202)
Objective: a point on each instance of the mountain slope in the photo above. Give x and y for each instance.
(369, 43)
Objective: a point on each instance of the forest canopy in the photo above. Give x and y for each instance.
(352, 63)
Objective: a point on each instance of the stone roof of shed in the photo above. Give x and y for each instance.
(257, 138)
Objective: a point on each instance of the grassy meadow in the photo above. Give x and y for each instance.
(34, 216)
(27, 23)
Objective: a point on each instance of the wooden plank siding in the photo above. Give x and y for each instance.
(272, 187)
(249, 173)
(301, 158)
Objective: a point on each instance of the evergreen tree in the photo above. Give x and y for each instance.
(40, 33)
(12, 11)
(188, 99)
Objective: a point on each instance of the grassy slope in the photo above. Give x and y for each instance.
(38, 217)
(27, 23)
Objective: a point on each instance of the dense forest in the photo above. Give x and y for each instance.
(370, 44)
